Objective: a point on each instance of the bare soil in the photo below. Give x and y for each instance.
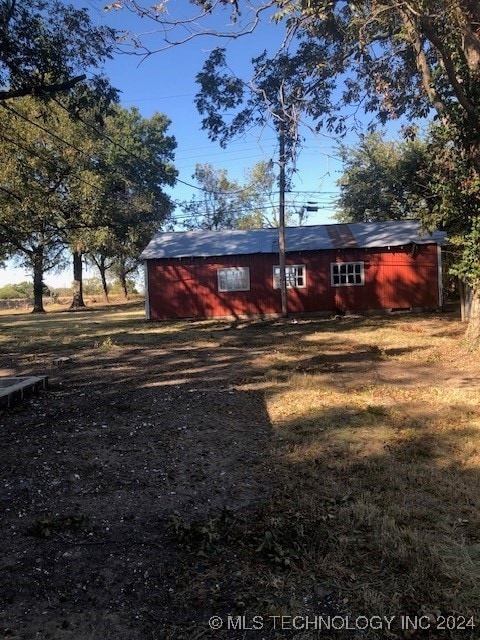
(134, 492)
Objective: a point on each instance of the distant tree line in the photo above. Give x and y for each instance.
(92, 287)
(78, 173)
(96, 192)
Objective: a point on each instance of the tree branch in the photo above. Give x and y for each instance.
(447, 64)
(422, 63)
(470, 39)
(41, 89)
(193, 25)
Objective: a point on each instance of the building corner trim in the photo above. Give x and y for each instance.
(440, 276)
(147, 292)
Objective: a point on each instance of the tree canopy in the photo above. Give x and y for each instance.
(383, 56)
(281, 92)
(230, 204)
(48, 47)
(385, 180)
(134, 164)
(66, 184)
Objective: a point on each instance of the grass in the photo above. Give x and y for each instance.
(393, 468)
(101, 328)
(410, 528)
(375, 450)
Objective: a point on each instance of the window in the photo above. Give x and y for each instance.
(294, 276)
(344, 274)
(234, 279)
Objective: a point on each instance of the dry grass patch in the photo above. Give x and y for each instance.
(394, 471)
(317, 467)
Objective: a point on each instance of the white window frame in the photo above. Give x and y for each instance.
(233, 279)
(293, 273)
(347, 274)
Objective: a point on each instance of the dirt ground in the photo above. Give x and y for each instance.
(122, 484)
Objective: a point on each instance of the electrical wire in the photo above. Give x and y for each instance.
(188, 184)
(30, 150)
(65, 142)
(104, 136)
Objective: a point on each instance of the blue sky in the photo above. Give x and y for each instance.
(165, 82)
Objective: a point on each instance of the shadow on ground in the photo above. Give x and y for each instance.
(148, 489)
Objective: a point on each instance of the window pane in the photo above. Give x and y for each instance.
(234, 279)
(294, 276)
(346, 273)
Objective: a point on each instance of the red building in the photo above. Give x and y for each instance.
(330, 269)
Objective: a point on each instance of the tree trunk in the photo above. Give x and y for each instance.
(38, 282)
(77, 301)
(103, 275)
(102, 266)
(123, 280)
(122, 276)
(472, 335)
(465, 292)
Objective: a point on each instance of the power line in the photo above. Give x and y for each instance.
(68, 144)
(204, 212)
(30, 150)
(104, 136)
(181, 181)
(39, 126)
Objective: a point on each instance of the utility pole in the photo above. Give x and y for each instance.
(281, 225)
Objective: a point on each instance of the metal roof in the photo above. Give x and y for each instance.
(364, 235)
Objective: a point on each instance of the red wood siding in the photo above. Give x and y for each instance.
(396, 278)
